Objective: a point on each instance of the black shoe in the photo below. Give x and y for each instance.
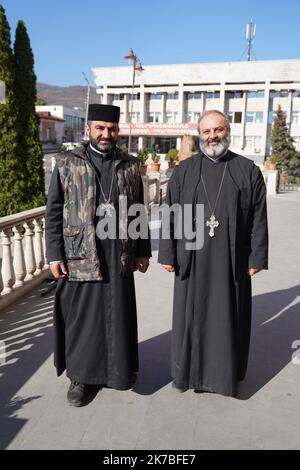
(80, 394)
(180, 390)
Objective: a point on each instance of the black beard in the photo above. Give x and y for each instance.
(107, 148)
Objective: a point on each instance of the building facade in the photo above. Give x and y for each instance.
(51, 128)
(167, 101)
(74, 118)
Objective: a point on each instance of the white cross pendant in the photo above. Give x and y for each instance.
(108, 208)
(212, 223)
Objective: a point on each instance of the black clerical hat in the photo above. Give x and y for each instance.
(103, 112)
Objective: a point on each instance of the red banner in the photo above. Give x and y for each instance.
(152, 128)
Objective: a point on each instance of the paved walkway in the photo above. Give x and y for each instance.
(34, 413)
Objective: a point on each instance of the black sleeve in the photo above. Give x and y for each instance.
(143, 249)
(167, 247)
(259, 241)
(54, 220)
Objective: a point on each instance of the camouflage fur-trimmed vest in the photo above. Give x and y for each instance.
(79, 185)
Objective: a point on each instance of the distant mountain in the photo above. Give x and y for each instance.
(70, 96)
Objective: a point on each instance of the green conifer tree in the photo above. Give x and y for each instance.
(28, 124)
(12, 171)
(282, 144)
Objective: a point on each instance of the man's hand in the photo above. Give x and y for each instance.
(141, 264)
(169, 267)
(58, 269)
(252, 271)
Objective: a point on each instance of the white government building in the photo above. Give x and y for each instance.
(168, 100)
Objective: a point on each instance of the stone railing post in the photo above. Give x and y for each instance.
(7, 265)
(46, 265)
(19, 261)
(29, 251)
(38, 245)
(23, 254)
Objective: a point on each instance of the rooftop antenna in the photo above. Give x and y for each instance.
(250, 35)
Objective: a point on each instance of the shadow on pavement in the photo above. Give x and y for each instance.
(275, 325)
(27, 333)
(25, 329)
(154, 358)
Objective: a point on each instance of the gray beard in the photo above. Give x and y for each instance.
(103, 148)
(217, 151)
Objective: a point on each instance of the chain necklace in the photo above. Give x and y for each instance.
(213, 223)
(107, 206)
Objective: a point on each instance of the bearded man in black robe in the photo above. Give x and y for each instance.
(95, 322)
(212, 293)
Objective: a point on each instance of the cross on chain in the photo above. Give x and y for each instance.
(108, 208)
(212, 223)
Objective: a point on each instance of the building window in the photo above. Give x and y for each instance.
(155, 96)
(296, 94)
(234, 94)
(279, 93)
(255, 117)
(172, 96)
(193, 117)
(253, 144)
(135, 97)
(256, 94)
(171, 117)
(295, 117)
(122, 117)
(164, 144)
(194, 96)
(235, 117)
(154, 117)
(271, 117)
(48, 133)
(212, 95)
(134, 117)
(118, 97)
(236, 141)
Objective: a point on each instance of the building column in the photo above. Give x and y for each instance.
(180, 103)
(163, 106)
(141, 142)
(104, 95)
(222, 97)
(244, 109)
(265, 144)
(142, 104)
(126, 107)
(289, 109)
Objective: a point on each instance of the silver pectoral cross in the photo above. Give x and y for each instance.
(212, 223)
(107, 208)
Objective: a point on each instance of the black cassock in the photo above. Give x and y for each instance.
(211, 311)
(95, 323)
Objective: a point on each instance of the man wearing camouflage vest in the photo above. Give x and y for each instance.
(95, 324)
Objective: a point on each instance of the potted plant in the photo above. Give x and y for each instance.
(143, 156)
(155, 165)
(172, 157)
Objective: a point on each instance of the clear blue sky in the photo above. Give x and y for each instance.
(68, 36)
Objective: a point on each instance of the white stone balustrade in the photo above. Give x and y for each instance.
(22, 244)
(22, 249)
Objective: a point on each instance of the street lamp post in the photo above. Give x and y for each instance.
(136, 67)
(87, 105)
